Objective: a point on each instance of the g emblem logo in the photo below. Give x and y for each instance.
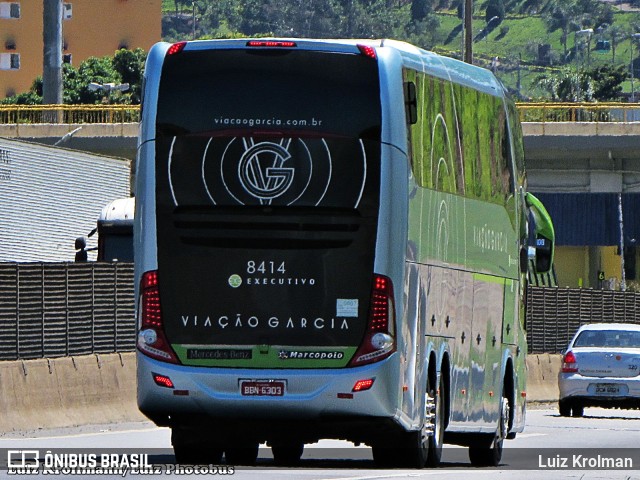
(261, 171)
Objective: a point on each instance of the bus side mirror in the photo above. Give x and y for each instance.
(525, 256)
(543, 254)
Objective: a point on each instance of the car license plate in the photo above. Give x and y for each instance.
(262, 388)
(607, 389)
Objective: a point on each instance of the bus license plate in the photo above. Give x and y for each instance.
(262, 388)
(607, 389)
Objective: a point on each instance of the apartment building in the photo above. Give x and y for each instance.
(91, 28)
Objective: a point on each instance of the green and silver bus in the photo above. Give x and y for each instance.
(331, 238)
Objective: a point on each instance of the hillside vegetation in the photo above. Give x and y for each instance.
(528, 41)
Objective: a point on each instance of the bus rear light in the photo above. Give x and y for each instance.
(271, 43)
(368, 51)
(162, 381)
(176, 48)
(151, 339)
(362, 385)
(569, 363)
(379, 340)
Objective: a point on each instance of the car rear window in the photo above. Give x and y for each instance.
(608, 338)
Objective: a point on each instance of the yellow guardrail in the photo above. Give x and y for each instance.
(529, 112)
(578, 112)
(18, 114)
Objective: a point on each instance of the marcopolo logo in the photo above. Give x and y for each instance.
(312, 355)
(235, 280)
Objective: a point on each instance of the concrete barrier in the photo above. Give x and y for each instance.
(63, 392)
(542, 377)
(101, 389)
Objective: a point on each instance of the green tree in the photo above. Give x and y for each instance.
(607, 80)
(495, 8)
(125, 66)
(563, 15)
(568, 86)
(129, 64)
(616, 35)
(420, 9)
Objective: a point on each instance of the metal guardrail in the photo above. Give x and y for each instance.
(529, 112)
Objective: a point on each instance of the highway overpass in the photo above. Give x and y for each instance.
(561, 156)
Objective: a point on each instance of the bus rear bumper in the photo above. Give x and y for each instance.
(315, 404)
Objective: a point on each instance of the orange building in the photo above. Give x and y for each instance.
(91, 28)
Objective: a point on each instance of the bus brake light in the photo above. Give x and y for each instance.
(151, 339)
(362, 385)
(162, 380)
(379, 341)
(271, 43)
(176, 48)
(368, 51)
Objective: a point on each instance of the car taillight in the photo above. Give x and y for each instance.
(569, 363)
(151, 339)
(379, 340)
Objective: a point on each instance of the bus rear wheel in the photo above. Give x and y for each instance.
(192, 447)
(408, 450)
(435, 413)
(489, 454)
(245, 453)
(287, 453)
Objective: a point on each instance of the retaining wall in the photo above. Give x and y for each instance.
(69, 391)
(542, 377)
(101, 389)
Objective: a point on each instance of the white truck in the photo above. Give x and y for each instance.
(115, 233)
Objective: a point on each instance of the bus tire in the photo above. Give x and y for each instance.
(197, 456)
(436, 413)
(489, 454)
(242, 454)
(287, 453)
(385, 457)
(408, 450)
(191, 448)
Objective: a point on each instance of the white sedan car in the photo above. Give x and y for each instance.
(601, 367)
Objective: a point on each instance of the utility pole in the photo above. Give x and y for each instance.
(52, 53)
(468, 31)
(193, 7)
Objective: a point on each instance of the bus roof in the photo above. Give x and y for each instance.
(412, 57)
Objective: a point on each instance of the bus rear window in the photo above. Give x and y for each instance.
(237, 128)
(258, 91)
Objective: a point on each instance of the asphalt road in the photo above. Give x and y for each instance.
(546, 450)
